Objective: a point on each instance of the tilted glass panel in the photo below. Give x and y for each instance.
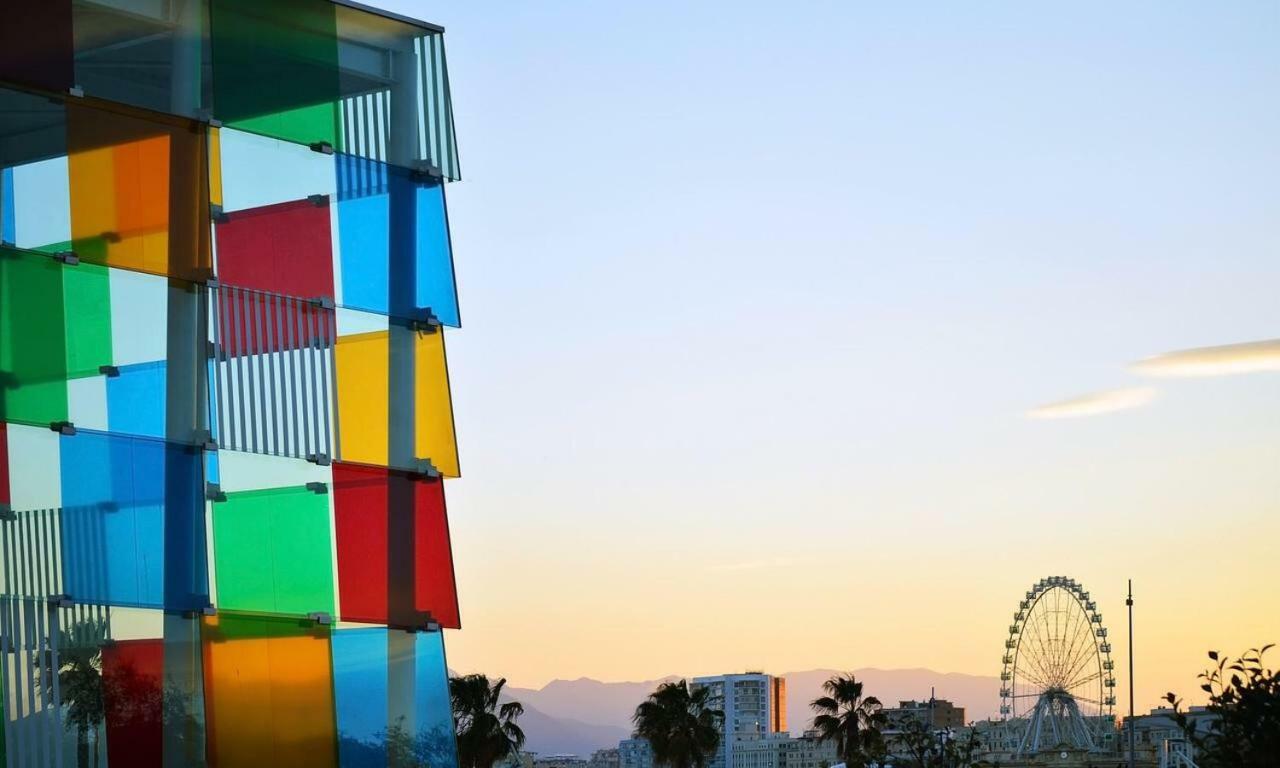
(136, 399)
(433, 717)
(139, 190)
(273, 378)
(33, 343)
(395, 564)
(276, 68)
(268, 692)
(256, 171)
(394, 406)
(132, 522)
(284, 248)
(392, 692)
(147, 53)
(133, 701)
(273, 551)
(393, 232)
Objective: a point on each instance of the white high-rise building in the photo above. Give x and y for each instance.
(754, 706)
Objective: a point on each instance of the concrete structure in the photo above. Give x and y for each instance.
(604, 758)
(635, 753)
(938, 714)
(754, 706)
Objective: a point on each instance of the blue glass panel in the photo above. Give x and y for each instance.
(392, 221)
(212, 472)
(136, 400)
(360, 687)
(434, 725)
(132, 522)
(6, 206)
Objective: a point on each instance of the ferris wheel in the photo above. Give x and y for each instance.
(1057, 683)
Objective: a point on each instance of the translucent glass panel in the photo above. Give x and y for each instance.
(395, 564)
(136, 399)
(54, 324)
(255, 171)
(147, 53)
(311, 71)
(133, 701)
(142, 52)
(273, 551)
(132, 522)
(273, 377)
(277, 67)
(394, 240)
(139, 190)
(409, 723)
(268, 693)
(394, 407)
(284, 248)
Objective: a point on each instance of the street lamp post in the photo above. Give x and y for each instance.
(1132, 735)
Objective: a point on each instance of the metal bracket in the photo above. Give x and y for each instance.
(320, 459)
(319, 201)
(217, 214)
(318, 488)
(323, 147)
(213, 492)
(321, 618)
(425, 468)
(7, 514)
(60, 601)
(428, 324)
(110, 371)
(110, 237)
(67, 257)
(63, 428)
(323, 302)
(76, 91)
(426, 170)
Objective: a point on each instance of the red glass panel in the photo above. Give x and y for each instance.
(133, 699)
(284, 248)
(391, 524)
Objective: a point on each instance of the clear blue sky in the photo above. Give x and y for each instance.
(756, 297)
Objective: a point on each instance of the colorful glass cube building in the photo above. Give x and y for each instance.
(225, 420)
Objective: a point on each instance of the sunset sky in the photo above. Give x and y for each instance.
(811, 335)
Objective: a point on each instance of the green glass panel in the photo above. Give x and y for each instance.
(86, 289)
(276, 67)
(33, 351)
(272, 551)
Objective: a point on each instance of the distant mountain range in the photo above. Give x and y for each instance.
(580, 716)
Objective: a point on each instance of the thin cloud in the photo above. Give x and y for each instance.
(1095, 403)
(1224, 360)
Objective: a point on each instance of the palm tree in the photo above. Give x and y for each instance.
(682, 729)
(849, 719)
(79, 680)
(486, 728)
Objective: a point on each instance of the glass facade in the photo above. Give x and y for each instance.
(226, 276)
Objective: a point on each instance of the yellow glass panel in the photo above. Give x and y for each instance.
(365, 416)
(215, 167)
(434, 437)
(120, 204)
(361, 361)
(269, 693)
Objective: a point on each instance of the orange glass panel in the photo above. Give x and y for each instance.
(268, 692)
(139, 190)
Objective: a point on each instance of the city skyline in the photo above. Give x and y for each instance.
(812, 338)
